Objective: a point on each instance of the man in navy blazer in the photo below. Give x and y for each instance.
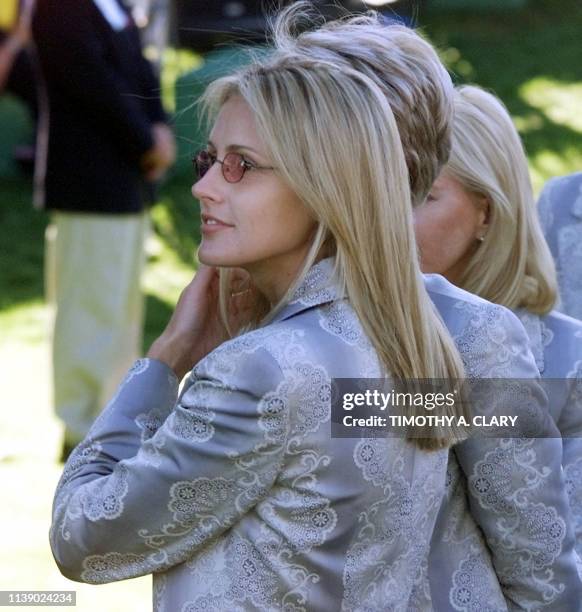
(102, 139)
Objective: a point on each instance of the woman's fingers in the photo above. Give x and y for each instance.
(240, 281)
(199, 303)
(200, 286)
(242, 307)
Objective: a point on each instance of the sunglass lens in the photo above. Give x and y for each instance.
(202, 163)
(233, 167)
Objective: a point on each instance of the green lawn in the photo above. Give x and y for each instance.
(530, 57)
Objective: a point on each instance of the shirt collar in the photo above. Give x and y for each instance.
(318, 287)
(112, 12)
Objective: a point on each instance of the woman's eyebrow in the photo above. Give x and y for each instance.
(235, 147)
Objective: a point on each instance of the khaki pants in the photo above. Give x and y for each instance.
(93, 278)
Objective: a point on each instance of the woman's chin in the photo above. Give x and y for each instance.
(211, 257)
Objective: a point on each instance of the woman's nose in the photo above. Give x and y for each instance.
(210, 186)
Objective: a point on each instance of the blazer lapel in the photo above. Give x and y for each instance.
(318, 287)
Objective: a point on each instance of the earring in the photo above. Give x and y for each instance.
(481, 238)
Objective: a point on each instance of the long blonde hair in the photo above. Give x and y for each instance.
(330, 130)
(513, 265)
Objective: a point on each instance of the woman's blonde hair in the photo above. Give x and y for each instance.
(331, 131)
(513, 265)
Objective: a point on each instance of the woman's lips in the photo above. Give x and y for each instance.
(211, 225)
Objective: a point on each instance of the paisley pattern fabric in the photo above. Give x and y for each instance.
(236, 498)
(557, 339)
(560, 210)
(503, 537)
(460, 573)
(370, 581)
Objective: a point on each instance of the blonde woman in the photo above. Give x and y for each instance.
(460, 564)
(237, 498)
(479, 228)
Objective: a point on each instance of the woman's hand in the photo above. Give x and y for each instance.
(196, 327)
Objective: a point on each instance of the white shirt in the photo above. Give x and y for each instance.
(113, 13)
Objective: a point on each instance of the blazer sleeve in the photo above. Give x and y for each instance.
(150, 486)
(545, 207)
(74, 59)
(570, 424)
(517, 491)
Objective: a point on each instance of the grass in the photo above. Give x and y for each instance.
(530, 57)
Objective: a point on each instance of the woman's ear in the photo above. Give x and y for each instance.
(483, 216)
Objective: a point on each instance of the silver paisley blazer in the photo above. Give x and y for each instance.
(236, 497)
(560, 210)
(503, 538)
(556, 342)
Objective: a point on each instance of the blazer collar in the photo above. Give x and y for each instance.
(317, 288)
